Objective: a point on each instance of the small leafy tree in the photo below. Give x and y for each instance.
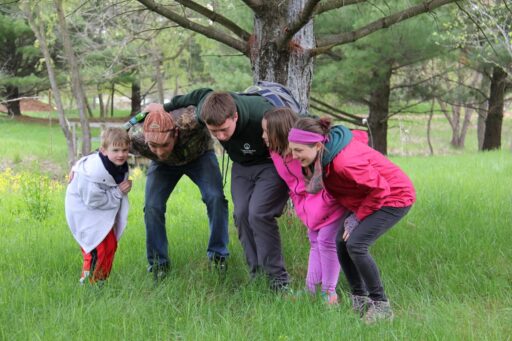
(20, 69)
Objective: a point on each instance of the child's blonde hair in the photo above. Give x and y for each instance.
(115, 137)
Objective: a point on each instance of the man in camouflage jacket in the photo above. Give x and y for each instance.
(178, 145)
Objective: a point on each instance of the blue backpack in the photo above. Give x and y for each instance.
(277, 94)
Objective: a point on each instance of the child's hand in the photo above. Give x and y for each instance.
(125, 186)
(70, 176)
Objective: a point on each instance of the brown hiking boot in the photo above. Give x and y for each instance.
(378, 311)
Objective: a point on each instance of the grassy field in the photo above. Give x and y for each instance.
(446, 267)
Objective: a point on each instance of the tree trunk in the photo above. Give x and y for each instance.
(287, 64)
(176, 86)
(493, 123)
(455, 142)
(76, 82)
(429, 127)
(482, 109)
(38, 30)
(480, 126)
(136, 97)
(101, 103)
(112, 95)
(379, 111)
(465, 126)
(88, 107)
(13, 104)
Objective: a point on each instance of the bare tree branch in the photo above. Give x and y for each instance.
(299, 22)
(334, 4)
(19, 99)
(338, 117)
(326, 43)
(507, 7)
(213, 16)
(479, 28)
(328, 106)
(207, 31)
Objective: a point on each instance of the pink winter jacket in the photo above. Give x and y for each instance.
(363, 180)
(315, 210)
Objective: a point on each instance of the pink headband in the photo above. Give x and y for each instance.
(302, 136)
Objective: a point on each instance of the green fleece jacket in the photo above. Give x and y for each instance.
(246, 146)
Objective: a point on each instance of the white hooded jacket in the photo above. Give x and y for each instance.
(94, 204)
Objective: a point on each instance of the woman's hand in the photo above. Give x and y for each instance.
(350, 225)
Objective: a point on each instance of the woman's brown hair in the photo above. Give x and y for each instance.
(320, 126)
(279, 123)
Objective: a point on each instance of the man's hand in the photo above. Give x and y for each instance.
(350, 225)
(125, 186)
(154, 107)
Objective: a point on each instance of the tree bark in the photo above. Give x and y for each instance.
(429, 127)
(101, 103)
(112, 97)
(136, 97)
(38, 30)
(482, 109)
(379, 111)
(455, 142)
(480, 125)
(88, 107)
(290, 64)
(76, 82)
(494, 121)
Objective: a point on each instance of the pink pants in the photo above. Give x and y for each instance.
(323, 266)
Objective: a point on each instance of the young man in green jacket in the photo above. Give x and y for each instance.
(259, 195)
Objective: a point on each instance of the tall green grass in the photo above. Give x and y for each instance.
(446, 267)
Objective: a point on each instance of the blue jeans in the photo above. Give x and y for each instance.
(161, 181)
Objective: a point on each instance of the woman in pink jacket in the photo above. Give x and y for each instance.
(376, 191)
(319, 212)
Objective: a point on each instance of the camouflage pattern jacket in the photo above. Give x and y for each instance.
(194, 139)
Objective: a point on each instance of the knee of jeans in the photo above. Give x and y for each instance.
(153, 210)
(215, 199)
(356, 248)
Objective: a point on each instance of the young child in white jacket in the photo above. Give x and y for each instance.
(97, 204)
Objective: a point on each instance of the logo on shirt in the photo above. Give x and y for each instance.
(247, 149)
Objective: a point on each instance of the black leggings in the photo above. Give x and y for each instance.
(359, 267)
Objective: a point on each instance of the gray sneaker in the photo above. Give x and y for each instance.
(360, 304)
(378, 311)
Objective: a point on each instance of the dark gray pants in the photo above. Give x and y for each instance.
(259, 196)
(358, 265)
